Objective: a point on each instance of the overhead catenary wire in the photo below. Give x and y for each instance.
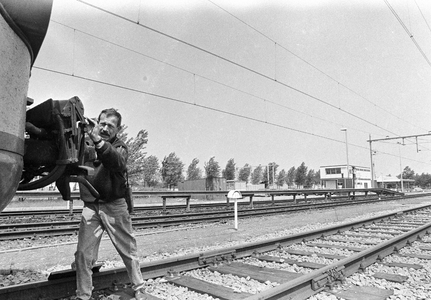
(238, 65)
(204, 77)
(412, 38)
(266, 100)
(214, 109)
(423, 17)
(192, 104)
(312, 65)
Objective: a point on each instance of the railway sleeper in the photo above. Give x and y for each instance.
(305, 264)
(391, 277)
(239, 269)
(390, 227)
(261, 274)
(363, 292)
(204, 287)
(217, 258)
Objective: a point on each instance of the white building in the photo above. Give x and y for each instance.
(394, 183)
(343, 176)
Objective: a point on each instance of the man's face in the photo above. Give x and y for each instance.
(108, 127)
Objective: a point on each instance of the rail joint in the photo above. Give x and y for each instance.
(217, 258)
(328, 279)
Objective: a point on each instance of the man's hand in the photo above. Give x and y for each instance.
(93, 130)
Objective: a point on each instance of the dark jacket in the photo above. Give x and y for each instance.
(109, 171)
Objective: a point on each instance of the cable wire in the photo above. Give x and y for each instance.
(312, 65)
(212, 109)
(232, 62)
(204, 77)
(423, 17)
(237, 64)
(408, 32)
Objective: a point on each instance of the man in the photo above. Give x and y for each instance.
(109, 212)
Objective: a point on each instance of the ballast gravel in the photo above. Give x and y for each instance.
(238, 284)
(254, 233)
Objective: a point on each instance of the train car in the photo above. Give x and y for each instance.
(23, 26)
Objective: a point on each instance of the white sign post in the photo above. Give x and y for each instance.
(234, 194)
(70, 207)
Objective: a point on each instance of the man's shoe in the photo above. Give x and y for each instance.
(141, 295)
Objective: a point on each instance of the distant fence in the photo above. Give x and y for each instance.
(223, 193)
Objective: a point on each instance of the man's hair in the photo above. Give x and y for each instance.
(111, 112)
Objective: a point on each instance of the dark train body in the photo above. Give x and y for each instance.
(43, 144)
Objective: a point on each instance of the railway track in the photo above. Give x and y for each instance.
(26, 214)
(291, 267)
(308, 195)
(11, 231)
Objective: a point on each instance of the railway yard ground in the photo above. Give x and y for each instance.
(21, 260)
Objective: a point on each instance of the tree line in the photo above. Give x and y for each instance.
(148, 171)
(421, 180)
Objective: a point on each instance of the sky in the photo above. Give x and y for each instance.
(254, 81)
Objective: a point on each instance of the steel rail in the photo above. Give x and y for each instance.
(64, 287)
(316, 281)
(327, 193)
(36, 212)
(272, 193)
(11, 231)
(225, 192)
(143, 208)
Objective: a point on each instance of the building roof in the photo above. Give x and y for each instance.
(345, 165)
(390, 179)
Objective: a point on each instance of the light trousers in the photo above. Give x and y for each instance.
(113, 218)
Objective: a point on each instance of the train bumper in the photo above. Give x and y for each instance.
(10, 174)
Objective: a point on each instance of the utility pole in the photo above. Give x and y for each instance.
(372, 164)
(396, 138)
(347, 155)
(267, 172)
(401, 169)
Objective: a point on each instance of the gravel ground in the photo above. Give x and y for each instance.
(30, 260)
